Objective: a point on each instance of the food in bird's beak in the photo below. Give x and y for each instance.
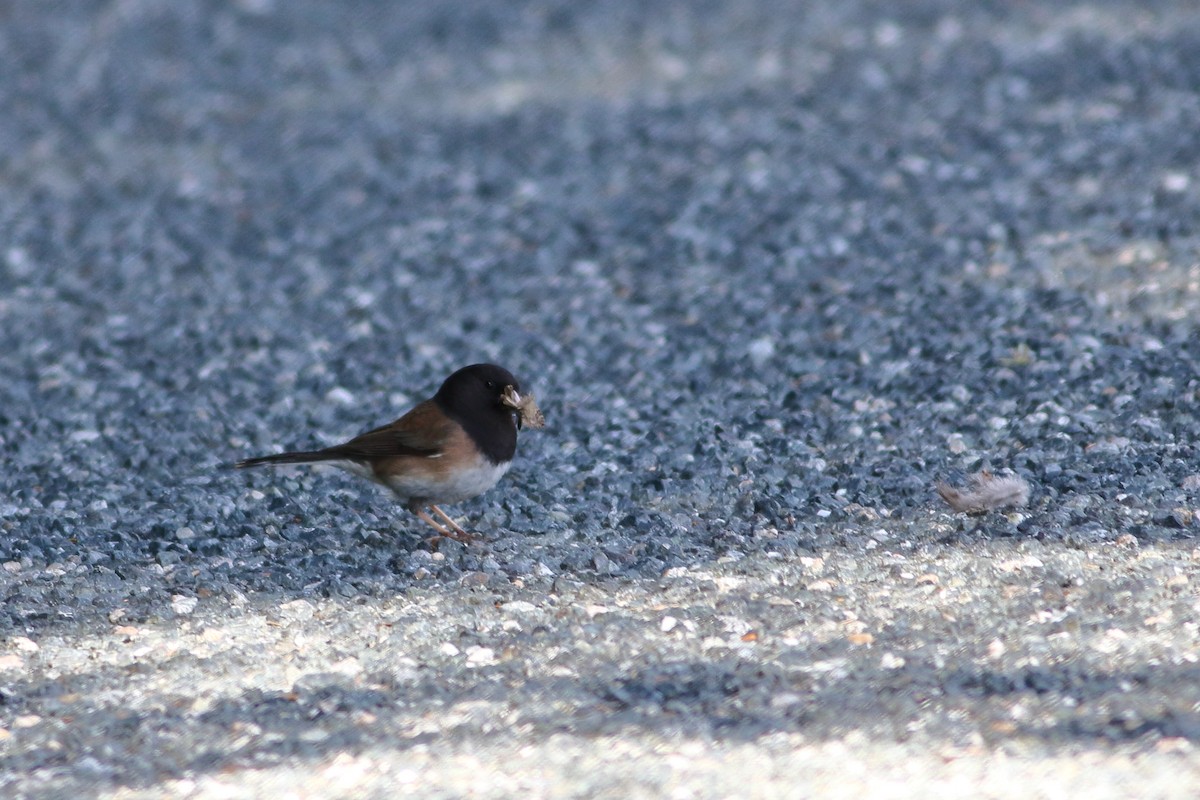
(526, 407)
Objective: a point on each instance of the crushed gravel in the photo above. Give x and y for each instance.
(773, 273)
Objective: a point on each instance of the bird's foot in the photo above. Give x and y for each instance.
(455, 531)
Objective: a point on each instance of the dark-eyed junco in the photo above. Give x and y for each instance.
(449, 448)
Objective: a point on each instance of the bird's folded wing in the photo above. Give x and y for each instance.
(422, 432)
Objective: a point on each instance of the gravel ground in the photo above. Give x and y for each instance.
(772, 272)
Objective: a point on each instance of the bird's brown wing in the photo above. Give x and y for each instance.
(422, 432)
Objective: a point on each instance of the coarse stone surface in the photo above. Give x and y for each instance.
(773, 271)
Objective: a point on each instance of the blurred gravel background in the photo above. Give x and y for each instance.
(772, 269)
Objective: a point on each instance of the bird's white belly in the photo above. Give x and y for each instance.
(463, 484)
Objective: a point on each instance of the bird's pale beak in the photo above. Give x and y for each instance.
(511, 398)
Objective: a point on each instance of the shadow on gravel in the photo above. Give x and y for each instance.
(726, 699)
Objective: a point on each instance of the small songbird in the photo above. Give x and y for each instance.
(449, 448)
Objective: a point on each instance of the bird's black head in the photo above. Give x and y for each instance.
(477, 388)
(474, 397)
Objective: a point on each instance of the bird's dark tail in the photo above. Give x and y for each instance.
(299, 457)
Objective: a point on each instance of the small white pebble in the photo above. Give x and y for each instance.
(182, 604)
(25, 643)
(1176, 182)
(348, 666)
(761, 351)
(480, 656)
(298, 610)
(360, 299)
(340, 396)
(519, 607)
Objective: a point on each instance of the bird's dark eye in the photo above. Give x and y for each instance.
(491, 384)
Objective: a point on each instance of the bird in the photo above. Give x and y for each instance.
(449, 448)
